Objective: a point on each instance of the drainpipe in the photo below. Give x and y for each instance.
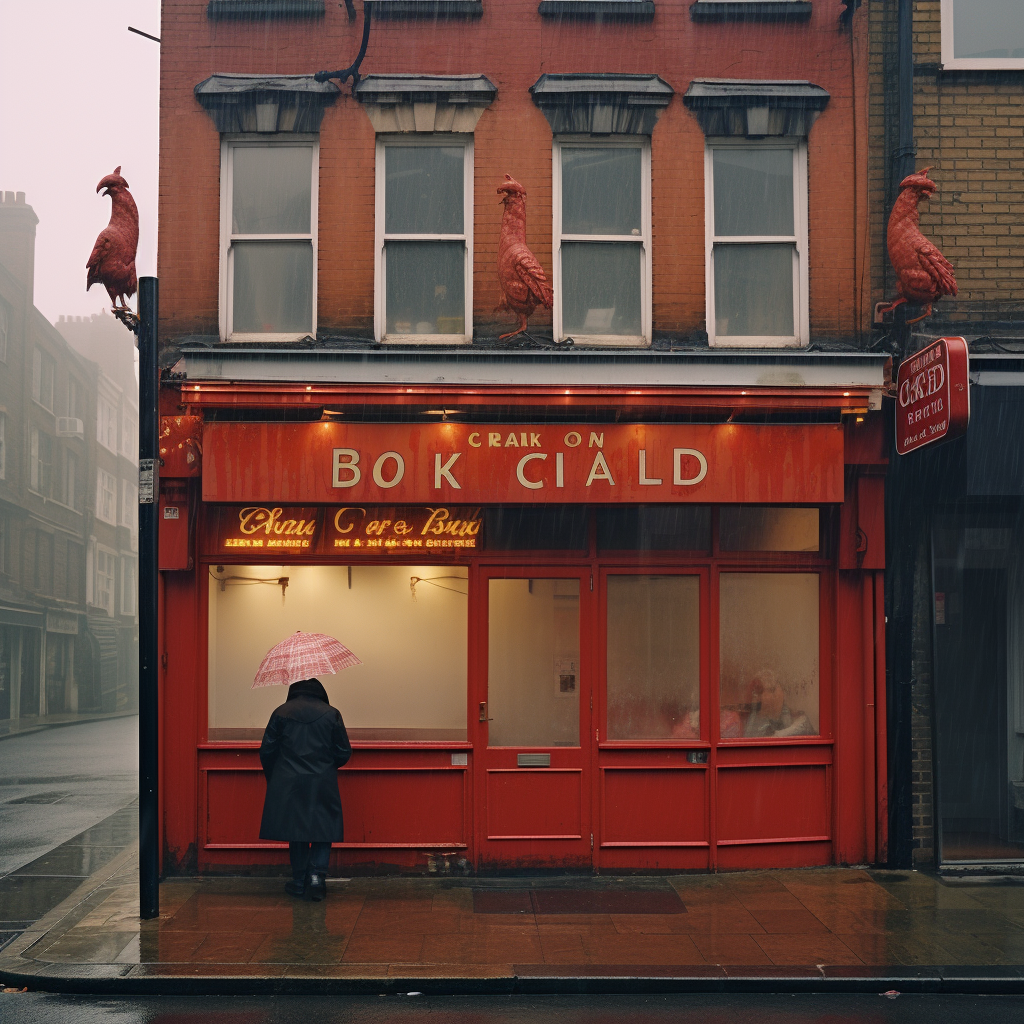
(903, 158)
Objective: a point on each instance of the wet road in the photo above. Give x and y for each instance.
(58, 782)
(38, 1008)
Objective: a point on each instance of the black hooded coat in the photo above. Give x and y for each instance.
(304, 745)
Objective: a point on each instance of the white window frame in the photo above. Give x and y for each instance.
(106, 425)
(128, 571)
(643, 143)
(45, 400)
(970, 63)
(110, 557)
(69, 475)
(35, 462)
(227, 149)
(801, 312)
(101, 490)
(3, 445)
(381, 237)
(129, 434)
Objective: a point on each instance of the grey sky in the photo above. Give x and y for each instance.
(78, 96)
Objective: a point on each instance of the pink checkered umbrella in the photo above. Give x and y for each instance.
(303, 656)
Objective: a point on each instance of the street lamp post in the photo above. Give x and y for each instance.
(149, 728)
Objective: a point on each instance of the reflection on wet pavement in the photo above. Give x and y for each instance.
(798, 921)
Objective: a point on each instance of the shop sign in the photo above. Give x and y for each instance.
(273, 529)
(933, 395)
(357, 464)
(61, 622)
(269, 528)
(351, 528)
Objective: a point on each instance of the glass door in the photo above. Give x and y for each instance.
(533, 713)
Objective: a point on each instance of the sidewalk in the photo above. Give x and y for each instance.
(800, 930)
(25, 726)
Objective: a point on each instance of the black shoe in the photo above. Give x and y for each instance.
(294, 888)
(317, 889)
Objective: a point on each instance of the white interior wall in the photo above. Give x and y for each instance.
(413, 646)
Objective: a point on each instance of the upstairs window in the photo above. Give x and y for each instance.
(424, 240)
(40, 462)
(42, 378)
(268, 240)
(106, 497)
(756, 243)
(5, 326)
(106, 423)
(602, 242)
(982, 34)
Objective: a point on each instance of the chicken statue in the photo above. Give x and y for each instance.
(524, 285)
(112, 263)
(923, 274)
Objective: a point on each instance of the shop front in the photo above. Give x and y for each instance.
(586, 645)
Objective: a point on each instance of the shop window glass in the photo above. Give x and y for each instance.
(767, 528)
(656, 528)
(553, 528)
(407, 623)
(533, 663)
(768, 652)
(653, 657)
(603, 241)
(424, 251)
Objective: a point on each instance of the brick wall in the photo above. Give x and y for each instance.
(968, 126)
(513, 46)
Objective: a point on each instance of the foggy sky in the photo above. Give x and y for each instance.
(78, 96)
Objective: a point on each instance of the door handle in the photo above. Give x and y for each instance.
(483, 712)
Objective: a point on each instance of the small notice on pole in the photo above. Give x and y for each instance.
(146, 472)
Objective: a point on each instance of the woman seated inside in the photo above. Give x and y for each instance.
(769, 715)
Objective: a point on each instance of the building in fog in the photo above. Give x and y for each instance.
(61, 652)
(111, 568)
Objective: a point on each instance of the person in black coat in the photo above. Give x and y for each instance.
(304, 745)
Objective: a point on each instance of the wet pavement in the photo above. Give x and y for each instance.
(40, 1008)
(57, 783)
(789, 930)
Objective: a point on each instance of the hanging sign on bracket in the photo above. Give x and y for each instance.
(933, 395)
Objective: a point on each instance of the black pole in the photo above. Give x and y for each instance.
(149, 729)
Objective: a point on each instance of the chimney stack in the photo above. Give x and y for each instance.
(18, 239)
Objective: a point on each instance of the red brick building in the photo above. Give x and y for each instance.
(654, 640)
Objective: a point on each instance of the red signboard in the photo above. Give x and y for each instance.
(933, 396)
(399, 463)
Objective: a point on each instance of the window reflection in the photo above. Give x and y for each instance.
(767, 528)
(653, 657)
(768, 654)
(533, 663)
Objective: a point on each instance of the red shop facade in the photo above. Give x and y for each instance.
(633, 629)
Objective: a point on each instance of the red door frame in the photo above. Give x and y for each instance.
(531, 851)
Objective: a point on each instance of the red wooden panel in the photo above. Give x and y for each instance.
(234, 806)
(397, 807)
(752, 857)
(401, 807)
(542, 803)
(776, 804)
(649, 806)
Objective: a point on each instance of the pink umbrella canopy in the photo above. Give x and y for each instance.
(303, 656)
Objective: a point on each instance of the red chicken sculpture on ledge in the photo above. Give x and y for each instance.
(524, 286)
(112, 263)
(923, 274)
